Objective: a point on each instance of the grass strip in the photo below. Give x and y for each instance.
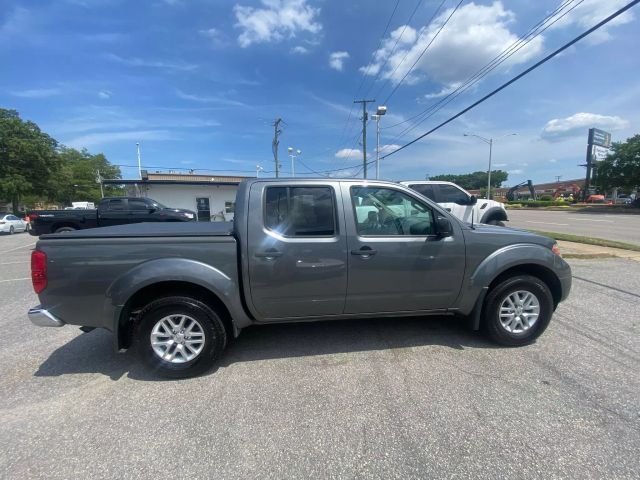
(601, 242)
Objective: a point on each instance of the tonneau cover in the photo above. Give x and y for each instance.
(151, 229)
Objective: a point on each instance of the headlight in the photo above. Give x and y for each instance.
(188, 215)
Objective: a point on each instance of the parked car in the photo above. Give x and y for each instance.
(111, 211)
(298, 250)
(11, 224)
(461, 203)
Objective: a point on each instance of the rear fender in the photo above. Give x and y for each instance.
(175, 269)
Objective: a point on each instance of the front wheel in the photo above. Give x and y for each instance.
(65, 229)
(179, 337)
(518, 310)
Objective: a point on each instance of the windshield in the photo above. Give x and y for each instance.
(157, 204)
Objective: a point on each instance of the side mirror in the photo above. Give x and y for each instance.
(443, 227)
(473, 200)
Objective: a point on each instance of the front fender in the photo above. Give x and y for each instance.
(503, 259)
(494, 213)
(176, 269)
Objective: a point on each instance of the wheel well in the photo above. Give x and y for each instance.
(495, 214)
(543, 273)
(56, 226)
(146, 295)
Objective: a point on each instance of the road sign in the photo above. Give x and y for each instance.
(599, 137)
(599, 153)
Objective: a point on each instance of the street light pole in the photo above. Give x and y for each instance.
(379, 113)
(489, 141)
(293, 154)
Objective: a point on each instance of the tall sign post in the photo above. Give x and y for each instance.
(598, 143)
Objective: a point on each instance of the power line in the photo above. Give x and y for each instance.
(386, 28)
(443, 102)
(519, 76)
(395, 88)
(495, 62)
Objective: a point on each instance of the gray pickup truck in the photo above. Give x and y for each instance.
(299, 250)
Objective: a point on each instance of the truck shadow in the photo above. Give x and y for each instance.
(93, 352)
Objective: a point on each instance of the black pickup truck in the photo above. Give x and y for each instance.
(110, 211)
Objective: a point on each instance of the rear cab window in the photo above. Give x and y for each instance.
(300, 211)
(117, 204)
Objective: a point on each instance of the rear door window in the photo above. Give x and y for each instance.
(300, 211)
(117, 204)
(138, 204)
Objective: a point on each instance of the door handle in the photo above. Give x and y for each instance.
(364, 252)
(448, 209)
(268, 254)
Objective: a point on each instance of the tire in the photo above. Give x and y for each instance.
(65, 229)
(12, 230)
(180, 366)
(498, 223)
(498, 329)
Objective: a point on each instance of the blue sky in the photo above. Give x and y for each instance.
(199, 83)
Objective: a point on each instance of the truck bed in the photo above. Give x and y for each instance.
(151, 229)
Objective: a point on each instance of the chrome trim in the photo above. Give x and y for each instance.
(43, 318)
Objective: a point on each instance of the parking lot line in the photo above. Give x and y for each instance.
(11, 263)
(18, 248)
(15, 279)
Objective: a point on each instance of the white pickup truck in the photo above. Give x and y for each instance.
(461, 203)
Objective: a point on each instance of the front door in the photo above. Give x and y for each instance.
(397, 262)
(296, 250)
(455, 201)
(204, 211)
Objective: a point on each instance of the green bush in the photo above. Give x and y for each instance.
(546, 198)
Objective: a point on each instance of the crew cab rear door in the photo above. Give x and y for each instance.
(397, 261)
(296, 250)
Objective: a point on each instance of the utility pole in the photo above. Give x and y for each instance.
(99, 179)
(276, 142)
(558, 177)
(364, 133)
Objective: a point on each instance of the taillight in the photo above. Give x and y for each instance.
(555, 249)
(39, 270)
(33, 216)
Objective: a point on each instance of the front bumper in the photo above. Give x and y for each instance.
(43, 318)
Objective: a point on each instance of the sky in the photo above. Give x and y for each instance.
(199, 83)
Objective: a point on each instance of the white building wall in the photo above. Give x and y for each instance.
(184, 196)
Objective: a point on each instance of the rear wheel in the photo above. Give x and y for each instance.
(12, 230)
(518, 310)
(65, 229)
(179, 337)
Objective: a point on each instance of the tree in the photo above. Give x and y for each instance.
(475, 180)
(77, 177)
(621, 168)
(28, 158)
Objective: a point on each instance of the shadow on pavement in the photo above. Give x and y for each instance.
(93, 352)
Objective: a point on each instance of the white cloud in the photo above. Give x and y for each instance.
(215, 36)
(337, 59)
(277, 20)
(349, 153)
(104, 94)
(444, 91)
(474, 35)
(139, 62)
(102, 138)
(517, 171)
(498, 165)
(300, 50)
(589, 12)
(578, 124)
(384, 149)
(37, 93)
(208, 99)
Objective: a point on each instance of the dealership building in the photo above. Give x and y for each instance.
(213, 197)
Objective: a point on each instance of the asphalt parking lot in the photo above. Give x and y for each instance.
(410, 398)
